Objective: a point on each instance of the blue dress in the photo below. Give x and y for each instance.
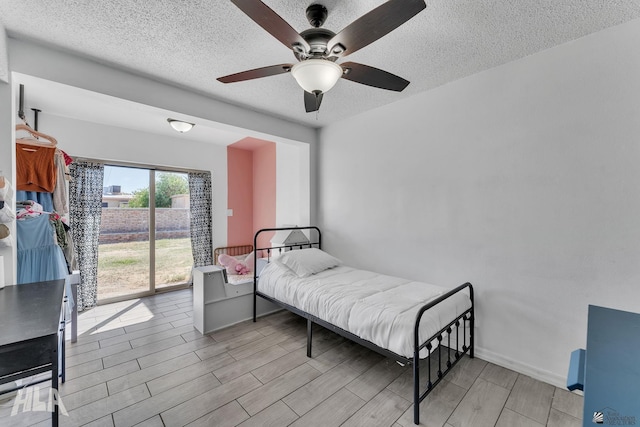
(39, 256)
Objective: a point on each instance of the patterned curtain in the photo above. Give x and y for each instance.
(201, 218)
(85, 208)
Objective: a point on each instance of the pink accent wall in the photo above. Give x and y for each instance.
(239, 196)
(251, 181)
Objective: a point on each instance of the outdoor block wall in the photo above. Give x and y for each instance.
(118, 225)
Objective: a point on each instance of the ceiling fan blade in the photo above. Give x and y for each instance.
(311, 103)
(374, 25)
(272, 23)
(256, 73)
(371, 76)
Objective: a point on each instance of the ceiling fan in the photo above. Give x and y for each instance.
(317, 49)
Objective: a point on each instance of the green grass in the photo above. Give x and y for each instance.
(120, 262)
(123, 268)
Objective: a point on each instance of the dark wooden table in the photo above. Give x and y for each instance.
(32, 332)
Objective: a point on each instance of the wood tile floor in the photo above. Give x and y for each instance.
(142, 363)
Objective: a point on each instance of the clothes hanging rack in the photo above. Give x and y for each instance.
(21, 110)
(35, 118)
(32, 130)
(21, 104)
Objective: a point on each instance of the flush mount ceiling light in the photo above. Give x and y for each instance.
(181, 126)
(316, 75)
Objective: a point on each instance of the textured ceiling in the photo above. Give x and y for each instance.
(190, 43)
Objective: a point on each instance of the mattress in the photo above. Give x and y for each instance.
(378, 308)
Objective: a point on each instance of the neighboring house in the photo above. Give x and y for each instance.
(180, 201)
(116, 200)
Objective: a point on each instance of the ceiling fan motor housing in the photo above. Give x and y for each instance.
(317, 38)
(317, 14)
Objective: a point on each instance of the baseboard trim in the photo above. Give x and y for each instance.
(522, 368)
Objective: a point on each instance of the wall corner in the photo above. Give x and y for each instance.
(4, 55)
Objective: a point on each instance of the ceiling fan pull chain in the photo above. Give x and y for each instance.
(317, 93)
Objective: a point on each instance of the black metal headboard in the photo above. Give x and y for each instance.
(313, 235)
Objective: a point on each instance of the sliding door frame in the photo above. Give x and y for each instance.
(152, 228)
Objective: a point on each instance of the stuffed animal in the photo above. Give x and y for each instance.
(235, 266)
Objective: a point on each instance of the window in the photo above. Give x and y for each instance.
(145, 242)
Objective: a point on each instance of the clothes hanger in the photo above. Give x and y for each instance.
(29, 141)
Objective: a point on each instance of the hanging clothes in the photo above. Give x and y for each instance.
(67, 160)
(39, 256)
(29, 209)
(41, 176)
(35, 168)
(6, 192)
(44, 199)
(69, 250)
(60, 196)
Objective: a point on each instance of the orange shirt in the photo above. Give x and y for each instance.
(35, 168)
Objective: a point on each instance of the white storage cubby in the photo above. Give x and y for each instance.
(218, 304)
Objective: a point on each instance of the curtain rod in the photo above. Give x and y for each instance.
(138, 165)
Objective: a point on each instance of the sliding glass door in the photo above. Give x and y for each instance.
(144, 232)
(173, 258)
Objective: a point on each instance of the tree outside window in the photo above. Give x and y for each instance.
(167, 185)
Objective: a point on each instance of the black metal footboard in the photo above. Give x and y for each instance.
(457, 323)
(461, 324)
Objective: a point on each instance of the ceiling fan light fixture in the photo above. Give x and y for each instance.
(316, 75)
(180, 126)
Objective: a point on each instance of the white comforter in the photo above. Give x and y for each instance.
(378, 308)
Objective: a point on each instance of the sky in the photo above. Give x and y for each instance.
(129, 179)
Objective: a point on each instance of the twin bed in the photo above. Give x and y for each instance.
(398, 318)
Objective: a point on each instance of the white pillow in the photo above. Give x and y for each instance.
(305, 262)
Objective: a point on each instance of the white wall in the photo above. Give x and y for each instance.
(4, 56)
(524, 180)
(292, 184)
